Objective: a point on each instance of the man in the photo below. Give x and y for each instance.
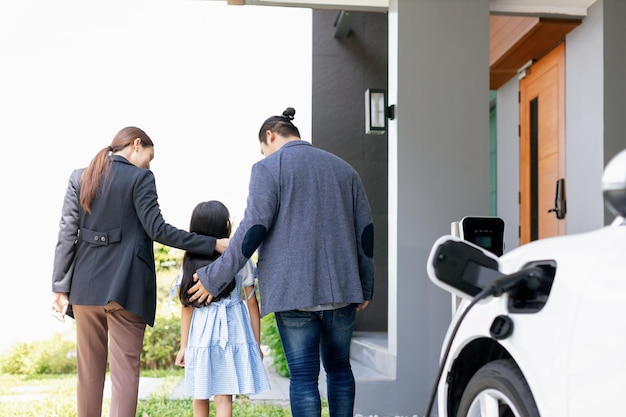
(309, 217)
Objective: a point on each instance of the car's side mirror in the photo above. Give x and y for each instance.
(461, 267)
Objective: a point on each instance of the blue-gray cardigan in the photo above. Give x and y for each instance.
(309, 217)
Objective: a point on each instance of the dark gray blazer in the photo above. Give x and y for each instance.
(108, 255)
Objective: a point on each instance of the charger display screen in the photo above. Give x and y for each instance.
(486, 232)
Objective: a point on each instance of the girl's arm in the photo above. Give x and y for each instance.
(185, 322)
(255, 316)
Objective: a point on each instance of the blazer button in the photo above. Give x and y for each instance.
(103, 239)
(95, 238)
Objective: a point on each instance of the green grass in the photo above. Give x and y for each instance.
(55, 396)
(41, 396)
(162, 407)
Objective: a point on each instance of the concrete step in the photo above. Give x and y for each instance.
(370, 357)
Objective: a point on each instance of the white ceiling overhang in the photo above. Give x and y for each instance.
(359, 5)
(564, 8)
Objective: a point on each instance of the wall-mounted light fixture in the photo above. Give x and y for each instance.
(376, 111)
(525, 69)
(343, 24)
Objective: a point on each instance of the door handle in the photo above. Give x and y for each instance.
(560, 203)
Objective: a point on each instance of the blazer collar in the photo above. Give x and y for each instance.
(295, 143)
(120, 158)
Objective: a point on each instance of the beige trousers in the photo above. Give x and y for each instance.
(96, 328)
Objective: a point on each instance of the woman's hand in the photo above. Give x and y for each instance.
(60, 304)
(221, 244)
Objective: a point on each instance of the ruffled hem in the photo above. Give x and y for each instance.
(234, 369)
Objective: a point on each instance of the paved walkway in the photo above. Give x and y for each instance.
(149, 385)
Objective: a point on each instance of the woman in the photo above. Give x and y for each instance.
(104, 267)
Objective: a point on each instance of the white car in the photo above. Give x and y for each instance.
(540, 330)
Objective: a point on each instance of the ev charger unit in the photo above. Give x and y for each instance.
(484, 231)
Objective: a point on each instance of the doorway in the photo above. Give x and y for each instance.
(542, 148)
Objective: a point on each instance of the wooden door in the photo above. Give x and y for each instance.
(542, 146)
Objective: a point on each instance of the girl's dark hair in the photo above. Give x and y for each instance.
(280, 125)
(97, 173)
(210, 218)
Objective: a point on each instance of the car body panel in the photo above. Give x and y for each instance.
(571, 352)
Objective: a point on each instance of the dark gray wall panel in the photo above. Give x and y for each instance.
(343, 68)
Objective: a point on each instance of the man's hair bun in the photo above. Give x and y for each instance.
(289, 113)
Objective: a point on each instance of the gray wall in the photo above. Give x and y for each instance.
(614, 46)
(439, 164)
(438, 173)
(343, 68)
(438, 153)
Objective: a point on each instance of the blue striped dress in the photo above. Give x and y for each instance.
(222, 355)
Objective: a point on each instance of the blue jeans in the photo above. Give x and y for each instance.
(307, 334)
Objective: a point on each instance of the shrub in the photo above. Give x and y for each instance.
(58, 354)
(55, 356)
(271, 338)
(166, 258)
(17, 359)
(161, 342)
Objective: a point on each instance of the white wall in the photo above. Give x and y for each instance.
(507, 116)
(584, 120)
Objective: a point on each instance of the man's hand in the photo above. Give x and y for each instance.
(200, 293)
(60, 303)
(221, 244)
(362, 306)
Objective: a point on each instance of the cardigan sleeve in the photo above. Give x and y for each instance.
(261, 208)
(364, 228)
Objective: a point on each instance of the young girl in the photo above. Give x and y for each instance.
(219, 342)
